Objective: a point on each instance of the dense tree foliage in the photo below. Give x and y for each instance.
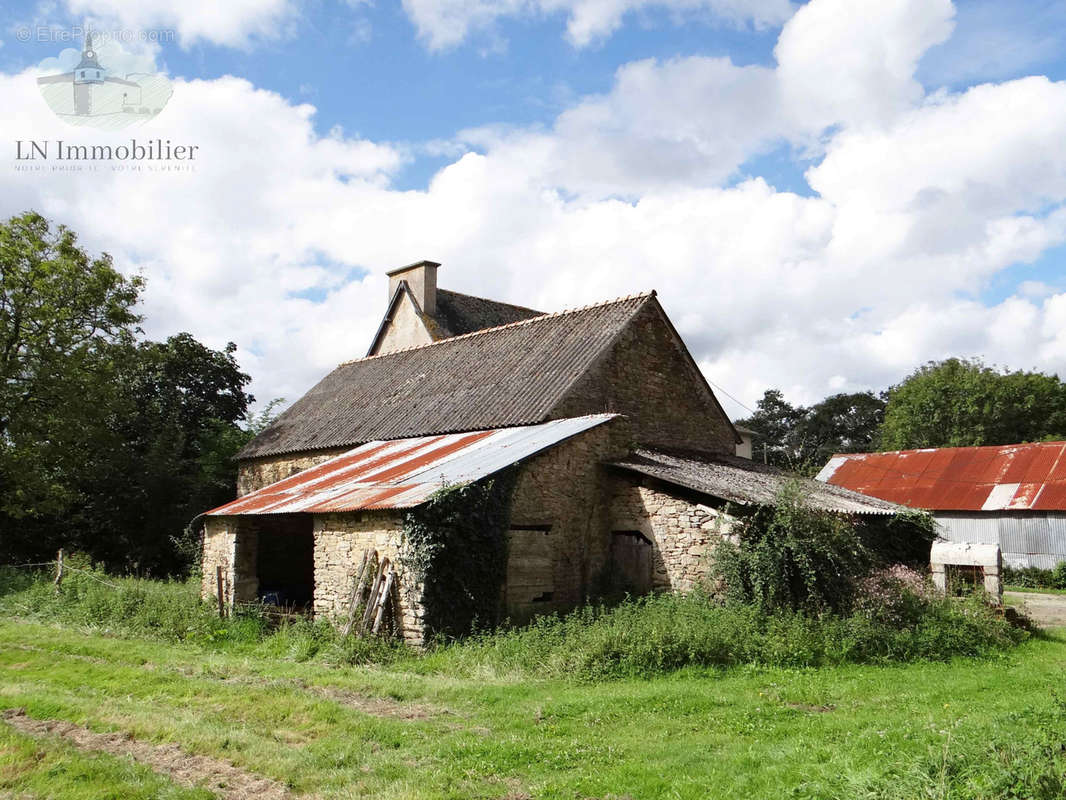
(959, 403)
(950, 403)
(63, 315)
(803, 438)
(107, 445)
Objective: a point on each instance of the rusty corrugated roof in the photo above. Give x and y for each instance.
(740, 480)
(403, 473)
(1016, 477)
(510, 375)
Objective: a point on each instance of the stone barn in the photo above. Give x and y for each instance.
(600, 456)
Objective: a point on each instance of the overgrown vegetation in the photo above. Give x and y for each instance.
(791, 556)
(638, 637)
(663, 633)
(456, 544)
(1035, 577)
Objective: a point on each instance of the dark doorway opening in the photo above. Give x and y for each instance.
(286, 561)
(631, 558)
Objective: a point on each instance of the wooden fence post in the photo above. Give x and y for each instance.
(221, 601)
(59, 570)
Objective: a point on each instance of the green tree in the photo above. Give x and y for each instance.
(175, 428)
(62, 313)
(803, 438)
(107, 444)
(960, 403)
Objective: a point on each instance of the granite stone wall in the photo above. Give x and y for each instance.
(562, 495)
(230, 543)
(340, 540)
(683, 532)
(647, 376)
(255, 473)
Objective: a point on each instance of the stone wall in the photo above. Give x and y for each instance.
(230, 543)
(683, 532)
(648, 376)
(566, 490)
(255, 473)
(340, 540)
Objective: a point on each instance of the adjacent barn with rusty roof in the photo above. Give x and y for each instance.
(1010, 495)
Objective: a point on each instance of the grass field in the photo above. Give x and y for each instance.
(970, 728)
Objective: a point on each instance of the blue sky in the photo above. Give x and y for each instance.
(365, 69)
(549, 166)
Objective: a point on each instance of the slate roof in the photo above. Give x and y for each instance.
(458, 313)
(1013, 477)
(500, 377)
(740, 480)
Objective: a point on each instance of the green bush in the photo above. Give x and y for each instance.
(1035, 577)
(792, 556)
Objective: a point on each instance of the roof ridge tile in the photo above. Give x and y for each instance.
(531, 320)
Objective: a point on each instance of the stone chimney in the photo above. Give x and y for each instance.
(421, 278)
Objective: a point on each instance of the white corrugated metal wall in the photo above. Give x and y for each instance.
(1026, 539)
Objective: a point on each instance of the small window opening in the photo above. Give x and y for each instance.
(964, 579)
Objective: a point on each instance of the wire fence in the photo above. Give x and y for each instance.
(65, 567)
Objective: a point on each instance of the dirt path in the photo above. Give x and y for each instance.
(1046, 610)
(221, 777)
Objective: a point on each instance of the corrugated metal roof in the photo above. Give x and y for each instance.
(740, 480)
(403, 473)
(1017, 477)
(500, 377)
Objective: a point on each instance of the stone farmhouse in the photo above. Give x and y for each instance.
(612, 459)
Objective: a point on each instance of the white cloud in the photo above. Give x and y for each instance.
(694, 121)
(920, 201)
(842, 61)
(446, 23)
(226, 22)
